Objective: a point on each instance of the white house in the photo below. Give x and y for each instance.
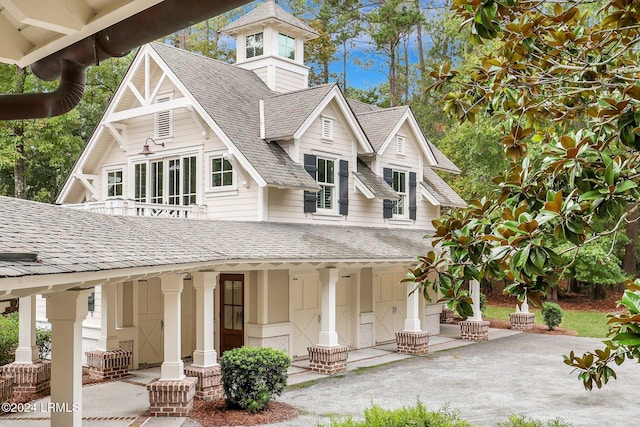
(227, 205)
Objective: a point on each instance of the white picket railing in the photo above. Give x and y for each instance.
(133, 208)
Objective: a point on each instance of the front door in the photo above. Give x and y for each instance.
(232, 305)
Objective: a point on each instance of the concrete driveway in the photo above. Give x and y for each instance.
(485, 382)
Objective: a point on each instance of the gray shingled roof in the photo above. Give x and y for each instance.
(68, 241)
(378, 124)
(359, 107)
(285, 113)
(230, 96)
(376, 184)
(441, 191)
(267, 11)
(443, 162)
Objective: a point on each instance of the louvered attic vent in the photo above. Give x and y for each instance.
(164, 120)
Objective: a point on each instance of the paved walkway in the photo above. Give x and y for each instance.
(485, 382)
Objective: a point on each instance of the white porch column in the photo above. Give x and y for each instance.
(474, 328)
(328, 335)
(262, 300)
(412, 322)
(65, 311)
(27, 351)
(474, 286)
(108, 340)
(172, 368)
(204, 284)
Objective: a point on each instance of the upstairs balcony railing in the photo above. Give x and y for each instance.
(133, 208)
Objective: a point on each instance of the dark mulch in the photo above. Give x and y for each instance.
(214, 413)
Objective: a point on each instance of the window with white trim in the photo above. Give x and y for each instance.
(287, 46)
(164, 119)
(400, 186)
(401, 142)
(327, 128)
(114, 183)
(166, 181)
(326, 177)
(254, 45)
(221, 173)
(140, 182)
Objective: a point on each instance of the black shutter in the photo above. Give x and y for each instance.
(412, 196)
(344, 187)
(387, 205)
(310, 197)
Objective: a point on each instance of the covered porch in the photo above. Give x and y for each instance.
(65, 254)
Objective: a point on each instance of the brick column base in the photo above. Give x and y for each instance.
(474, 330)
(29, 378)
(522, 321)
(328, 360)
(108, 365)
(412, 342)
(6, 386)
(209, 385)
(172, 398)
(446, 316)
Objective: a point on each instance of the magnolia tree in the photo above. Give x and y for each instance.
(564, 81)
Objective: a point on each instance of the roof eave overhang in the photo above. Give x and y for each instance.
(44, 283)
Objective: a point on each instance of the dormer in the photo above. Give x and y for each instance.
(270, 42)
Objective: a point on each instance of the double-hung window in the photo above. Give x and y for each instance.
(254, 45)
(167, 181)
(326, 177)
(332, 176)
(114, 183)
(400, 185)
(221, 173)
(405, 184)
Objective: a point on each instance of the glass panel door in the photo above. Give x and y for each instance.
(232, 303)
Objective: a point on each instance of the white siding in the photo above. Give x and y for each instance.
(287, 81)
(287, 205)
(262, 72)
(240, 205)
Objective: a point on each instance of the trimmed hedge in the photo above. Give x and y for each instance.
(252, 376)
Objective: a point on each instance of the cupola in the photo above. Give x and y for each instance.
(270, 42)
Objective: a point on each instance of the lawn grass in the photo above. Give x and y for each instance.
(586, 323)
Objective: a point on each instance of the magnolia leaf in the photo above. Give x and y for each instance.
(628, 339)
(631, 300)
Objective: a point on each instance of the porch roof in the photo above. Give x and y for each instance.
(74, 241)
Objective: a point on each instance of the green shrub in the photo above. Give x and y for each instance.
(521, 421)
(413, 416)
(9, 333)
(552, 314)
(252, 376)
(8, 338)
(43, 342)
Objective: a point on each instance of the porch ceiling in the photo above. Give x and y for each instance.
(76, 247)
(34, 29)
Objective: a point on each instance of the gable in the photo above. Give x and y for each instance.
(408, 125)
